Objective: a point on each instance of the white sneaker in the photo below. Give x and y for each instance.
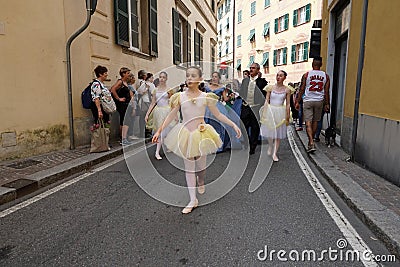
(133, 137)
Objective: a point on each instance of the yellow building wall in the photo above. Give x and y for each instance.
(380, 95)
(324, 31)
(33, 78)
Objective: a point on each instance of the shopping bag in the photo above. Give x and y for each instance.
(100, 137)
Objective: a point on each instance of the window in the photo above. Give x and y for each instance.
(239, 16)
(182, 39)
(252, 36)
(213, 5)
(267, 3)
(220, 51)
(282, 23)
(220, 29)
(220, 12)
(198, 48)
(227, 23)
(280, 56)
(227, 6)
(136, 25)
(251, 61)
(265, 62)
(300, 52)
(253, 8)
(226, 47)
(302, 15)
(239, 67)
(266, 30)
(239, 40)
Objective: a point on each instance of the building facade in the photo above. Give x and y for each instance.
(374, 108)
(276, 34)
(225, 28)
(141, 34)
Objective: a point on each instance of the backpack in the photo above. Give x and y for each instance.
(86, 96)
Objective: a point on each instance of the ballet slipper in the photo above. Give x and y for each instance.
(158, 157)
(190, 207)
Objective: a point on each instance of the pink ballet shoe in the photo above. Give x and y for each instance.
(190, 207)
(201, 189)
(275, 158)
(158, 157)
(269, 151)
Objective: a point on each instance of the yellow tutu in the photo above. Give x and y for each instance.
(202, 141)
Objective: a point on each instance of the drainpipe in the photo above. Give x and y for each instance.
(359, 79)
(68, 48)
(233, 42)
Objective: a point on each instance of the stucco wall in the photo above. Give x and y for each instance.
(33, 66)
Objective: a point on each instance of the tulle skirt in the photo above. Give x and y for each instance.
(186, 144)
(273, 122)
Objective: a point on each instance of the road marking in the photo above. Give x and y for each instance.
(344, 225)
(68, 183)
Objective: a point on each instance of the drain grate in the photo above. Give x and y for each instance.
(24, 164)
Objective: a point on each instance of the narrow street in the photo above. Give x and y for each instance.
(106, 219)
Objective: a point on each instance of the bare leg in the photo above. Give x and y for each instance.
(309, 128)
(276, 147)
(201, 173)
(270, 145)
(124, 131)
(190, 168)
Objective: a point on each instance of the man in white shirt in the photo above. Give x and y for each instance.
(252, 93)
(315, 87)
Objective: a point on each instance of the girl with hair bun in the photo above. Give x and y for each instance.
(275, 114)
(193, 139)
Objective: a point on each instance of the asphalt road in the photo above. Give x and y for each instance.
(106, 219)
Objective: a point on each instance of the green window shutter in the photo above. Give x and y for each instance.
(276, 26)
(308, 12)
(189, 43)
(196, 47)
(176, 37)
(266, 29)
(239, 16)
(121, 22)
(295, 18)
(239, 40)
(293, 53)
(267, 3)
(275, 59)
(286, 21)
(285, 56)
(265, 59)
(153, 28)
(305, 54)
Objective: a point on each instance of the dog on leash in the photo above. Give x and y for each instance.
(330, 136)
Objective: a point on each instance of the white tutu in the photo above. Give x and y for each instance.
(273, 122)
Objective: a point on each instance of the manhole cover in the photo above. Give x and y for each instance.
(24, 163)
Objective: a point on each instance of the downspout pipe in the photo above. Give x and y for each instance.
(233, 41)
(68, 52)
(359, 79)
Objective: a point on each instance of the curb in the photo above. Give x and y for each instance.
(21, 187)
(384, 223)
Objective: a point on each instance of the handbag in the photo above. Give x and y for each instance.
(108, 104)
(100, 138)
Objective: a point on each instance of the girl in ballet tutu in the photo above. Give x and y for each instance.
(193, 139)
(275, 114)
(160, 109)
